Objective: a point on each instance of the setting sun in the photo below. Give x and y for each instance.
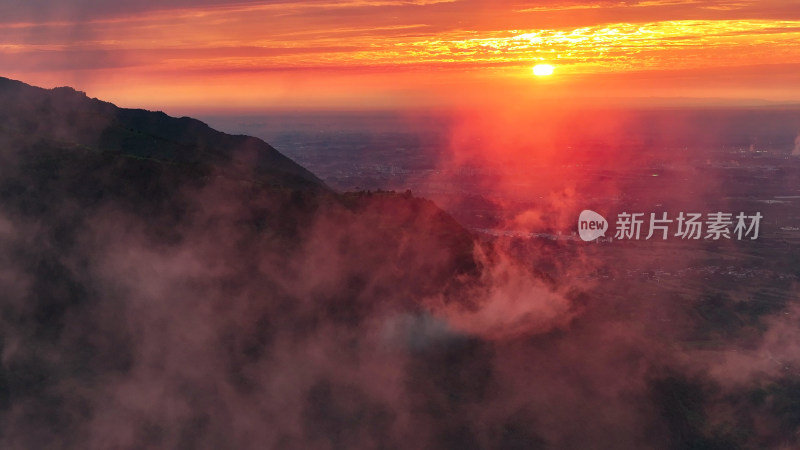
(543, 70)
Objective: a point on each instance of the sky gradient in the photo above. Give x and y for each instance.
(362, 54)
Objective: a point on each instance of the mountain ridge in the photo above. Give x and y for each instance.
(71, 117)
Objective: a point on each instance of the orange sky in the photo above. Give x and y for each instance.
(356, 54)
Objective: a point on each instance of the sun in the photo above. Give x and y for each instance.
(543, 70)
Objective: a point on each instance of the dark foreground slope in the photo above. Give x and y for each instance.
(153, 268)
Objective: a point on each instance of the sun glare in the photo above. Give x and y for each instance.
(543, 70)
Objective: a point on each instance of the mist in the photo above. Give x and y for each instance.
(195, 296)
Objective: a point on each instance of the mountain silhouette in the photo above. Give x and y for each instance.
(67, 156)
(66, 117)
(141, 254)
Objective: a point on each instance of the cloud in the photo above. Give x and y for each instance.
(796, 151)
(94, 44)
(98, 10)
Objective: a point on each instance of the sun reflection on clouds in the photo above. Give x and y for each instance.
(460, 38)
(626, 46)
